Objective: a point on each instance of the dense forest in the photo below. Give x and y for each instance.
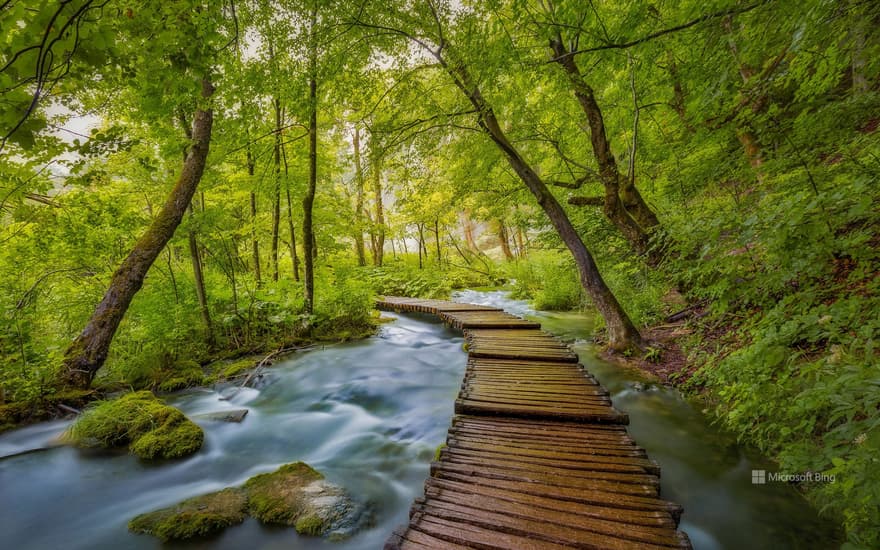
(184, 182)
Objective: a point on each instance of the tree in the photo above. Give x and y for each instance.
(430, 36)
(89, 350)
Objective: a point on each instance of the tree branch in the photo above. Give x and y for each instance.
(586, 201)
(670, 30)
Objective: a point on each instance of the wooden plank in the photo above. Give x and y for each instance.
(608, 508)
(616, 450)
(606, 415)
(542, 530)
(558, 456)
(600, 519)
(592, 464)
(473, 536)
(577, 482)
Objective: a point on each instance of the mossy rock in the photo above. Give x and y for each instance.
(298, 496)
(196, 517)
(150, 428)
(238, 367)
(295, 495)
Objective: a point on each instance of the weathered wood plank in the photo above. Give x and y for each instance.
(657, 516)
(564, 480)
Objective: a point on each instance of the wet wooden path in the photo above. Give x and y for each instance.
(537, 457)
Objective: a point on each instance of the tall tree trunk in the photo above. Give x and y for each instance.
(437, 240)
(201, 293)
(255, 242)
(504, 239)
(359, 200)
(309, 199)
(294, 257)
(422, 248)
(87, 353)
(276, 195)
(633, 224)
(622, 333)
(379, 235)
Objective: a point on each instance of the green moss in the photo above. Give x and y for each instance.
(294, 495)
(238, 367)
(310, 525)
(184, 374)
(169, 441)
(150, 428)
(438, 451)
(195, 517)
(273, 497)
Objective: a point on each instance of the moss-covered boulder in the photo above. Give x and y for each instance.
(294, 495)
(298, 496)
(196, 517)
(139, 420)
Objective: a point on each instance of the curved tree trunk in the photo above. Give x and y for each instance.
(629, 213)
(622, 333)
(88, 351)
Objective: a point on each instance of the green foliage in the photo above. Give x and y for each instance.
(148, 427)
(195, 517)
(797, 280)
(404, 278)
(550, 280)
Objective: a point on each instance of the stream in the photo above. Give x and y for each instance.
(369, 415)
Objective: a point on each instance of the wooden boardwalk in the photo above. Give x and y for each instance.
(537, 457)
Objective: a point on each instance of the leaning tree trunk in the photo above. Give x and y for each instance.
(622, 333)
(88, 351)
(630, 214)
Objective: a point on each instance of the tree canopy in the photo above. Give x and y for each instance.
(185, 180)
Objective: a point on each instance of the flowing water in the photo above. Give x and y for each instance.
(370, 415)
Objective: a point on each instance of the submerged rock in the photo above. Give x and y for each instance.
(196, 517)
(150, 428)
(234, 415)
(295, 495)
(299, 496)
